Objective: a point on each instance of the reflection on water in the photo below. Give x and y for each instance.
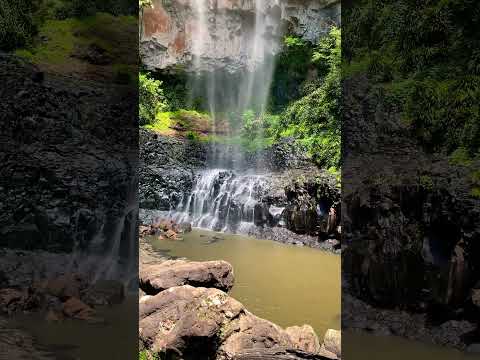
(357, 346)
(286, 284)
(115, 338)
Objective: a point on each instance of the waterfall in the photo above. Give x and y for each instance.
(112, 253)
(223, 200)
(248, 88)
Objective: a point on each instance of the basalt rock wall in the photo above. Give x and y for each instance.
(169, 30)
(409, 218)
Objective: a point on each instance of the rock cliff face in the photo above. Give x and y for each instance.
(63, 181)
(171, 30)
(410, 227)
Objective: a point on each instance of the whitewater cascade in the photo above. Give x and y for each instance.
(223, 200)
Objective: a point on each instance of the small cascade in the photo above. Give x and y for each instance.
(112, 253)
(222, 200)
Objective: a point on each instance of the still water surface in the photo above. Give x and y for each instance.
(292, 285)
(367, 347)
(286, 284)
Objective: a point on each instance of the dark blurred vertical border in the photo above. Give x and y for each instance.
(68, 179)
(411, 179)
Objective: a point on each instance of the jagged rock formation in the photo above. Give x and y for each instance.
(169, 30)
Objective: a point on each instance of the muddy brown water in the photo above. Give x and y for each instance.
(361, 346)
(293, 285)
(116, 337)
(286, 284)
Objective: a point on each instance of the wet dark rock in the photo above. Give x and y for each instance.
(261, 215)
(358, 315)
(75, 308)
(410, 228)
(16, 300)
(104, 292)
(64, 286)
(308, 197)
(166, 169)
(58, 175)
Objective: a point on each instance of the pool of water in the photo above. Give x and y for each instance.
(115, 338)
(286, 284)
(360, 346)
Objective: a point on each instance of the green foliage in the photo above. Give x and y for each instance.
(175, 91)
(426, 182)
(258, 130)
(144, 3)
(433, 59)
(445, 113)
(461, 157)
(83, 8)
(314, 120)
(192, 135)
(475, 191)
(58, 40)
(291, 71)
(17, 23)
(151, 99)
(148, 355)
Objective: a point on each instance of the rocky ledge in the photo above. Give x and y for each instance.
(190, 317)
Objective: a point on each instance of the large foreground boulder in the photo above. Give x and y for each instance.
(158, 277)
(304, 338)
(332, 344)
(199, 323)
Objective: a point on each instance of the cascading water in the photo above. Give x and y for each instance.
(222, 200)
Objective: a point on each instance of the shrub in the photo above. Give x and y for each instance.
(151, 99)
(314, 120)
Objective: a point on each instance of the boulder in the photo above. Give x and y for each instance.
(53, 316)
(186, 319)
(158, 277)
(332, 344)
(63, 286)
(75, 308)
(170, 234)
(202, 323)
(304, 338)
(12, 300)
(185, 227)
(104, 292)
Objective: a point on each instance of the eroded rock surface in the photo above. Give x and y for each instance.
(155, 278)
(201, 323)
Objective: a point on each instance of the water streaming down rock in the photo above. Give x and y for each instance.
(112, 253)
(223, 200)
(239, 88)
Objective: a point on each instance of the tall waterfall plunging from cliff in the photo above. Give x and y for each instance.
(247, 87)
